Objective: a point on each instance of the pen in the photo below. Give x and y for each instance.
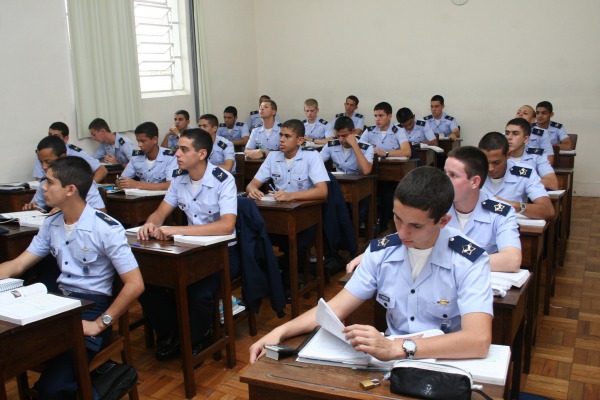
(40, 209)
(294, 365)
(272, 187)
(379, 369)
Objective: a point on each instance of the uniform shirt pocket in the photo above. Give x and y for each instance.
(209, 213)
(444, 309)
(85, 259)
(301, 181)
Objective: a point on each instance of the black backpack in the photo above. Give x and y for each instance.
(112, 380)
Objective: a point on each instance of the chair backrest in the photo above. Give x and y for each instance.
(573, 137)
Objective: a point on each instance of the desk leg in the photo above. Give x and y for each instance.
(227, 308)
(2, 387)
(293, 256)
(550, 264)
(80, 361)
(320, 268)
(185, 339)
(517, 356)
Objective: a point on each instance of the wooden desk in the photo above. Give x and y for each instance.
(553, 246)
(14, 201)
(270, 379)
(288, 219)
(447, 144)
(565, 182)
(251, 167)
(113, 172)
(15, 241)
(563, 160)
(24, 347)
(426, 156)
(176, 267)
(532, 246)
(355, 188)
(132, 210)
(394, 170)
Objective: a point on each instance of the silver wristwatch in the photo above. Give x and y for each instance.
(410, 347)
(522, 207)
(106, 319)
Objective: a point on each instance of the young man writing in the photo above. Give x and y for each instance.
(440, 122)
(350, 107)
(316, 130)
(114, 148)
(208, 197)
(223, 151)
(425, 265)
(61, 130)
(557, 134)
(232, 130)
(518, 133)
(90, 247)
(512, 182)
(152, 165)
(265, 137)
(181, 124)
(416, 130)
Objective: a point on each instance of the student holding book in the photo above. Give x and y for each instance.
(89, 246)
(427, 276)
(208, 197)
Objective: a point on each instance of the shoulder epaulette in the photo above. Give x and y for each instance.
(449, 118)
(137, 153)
(334, 142)
(465, 248)
(219, 174)
(535, 150)
(309, 149)
(106, 218)
(394, 128)
(359, 115)
(521, 171)
(253, 112)
(363, 145)
(420, 122)
(323, 121)
(179, 172)
(339, 115)
(258, 126)
(279, 124)
(428, 117)
(537, 131)
(496, 207)
(73, 147)
(240, 123)
(370, 128)
(555, 124)
(222, 125)
(385, 242)
(222, 144)
(304, 121)
(121, 141)
(169, 152)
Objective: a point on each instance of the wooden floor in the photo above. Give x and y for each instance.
(566, 362)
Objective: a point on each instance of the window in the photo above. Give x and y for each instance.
(158, 45)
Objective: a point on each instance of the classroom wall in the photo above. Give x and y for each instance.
(486, 58)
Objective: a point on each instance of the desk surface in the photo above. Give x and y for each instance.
(14, 201)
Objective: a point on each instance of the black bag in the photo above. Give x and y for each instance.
(112, 380)
(425, 380)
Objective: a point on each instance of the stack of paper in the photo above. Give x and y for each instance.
(144, 193)
(508, 279)
(202, 240)
(396, 158)
(434, 148)
(565, 152)
(268, 197)
(132, 231)
(525, 221)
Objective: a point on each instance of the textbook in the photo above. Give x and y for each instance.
(33, 218)
(10, 284)
(429, 146)
(507, 279)
(202, 240)
(492, 369)
(31, 303)
(329, 346)
(144, 192)
(396, 158)
(525, 221)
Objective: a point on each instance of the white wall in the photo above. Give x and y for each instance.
(486, 58)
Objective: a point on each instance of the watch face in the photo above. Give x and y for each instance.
(106, 319)
(409, 345)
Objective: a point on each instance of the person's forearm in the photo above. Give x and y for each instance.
(550, 181)
(363, 164)
(154, 185)
(100, 174)
(458, 345)
(506, 260)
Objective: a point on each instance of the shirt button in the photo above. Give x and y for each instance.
(412, 291)
(412, 318)
(68, 276)
(385, 304)
(66, 263)
(84, 259)
(445, 316)
(195, 216)
(67, 242)
(194, 199)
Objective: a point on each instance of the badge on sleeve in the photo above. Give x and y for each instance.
(363, 145)
(496, 207)
(169, 152)
(73, 147)
(420, 122)
(335, 142)
(385, 242)
(521, 171)
(537, 131)
(179, 172)
(121, 141)
(465, 248)
(222, 144)
(535, 150)
(219, 174)
(137, 153)
(106, 218)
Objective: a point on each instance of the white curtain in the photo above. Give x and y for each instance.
(203, 95)
(105, 67)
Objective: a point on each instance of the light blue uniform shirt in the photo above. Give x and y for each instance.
(451, 284)
(537, 161)
(260, 140)
(492, 224)
(321, 129)
(345, 162)
(89, 256)
(305, 171)
(222, 150)
(93, 198)
(239, 131)
(357, 118)
(392, 140)
(420, 133)
(72, 150)
(519, 183)
(160, 171)
(122, 149)
(540, 139)
(556, 132)
(443, 126)
(216, 195)
(254, 120)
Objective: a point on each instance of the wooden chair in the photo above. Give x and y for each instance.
(120, 343)
(573, 137)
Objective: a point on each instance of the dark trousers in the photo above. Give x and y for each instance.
(58, 381)
(160, 307)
